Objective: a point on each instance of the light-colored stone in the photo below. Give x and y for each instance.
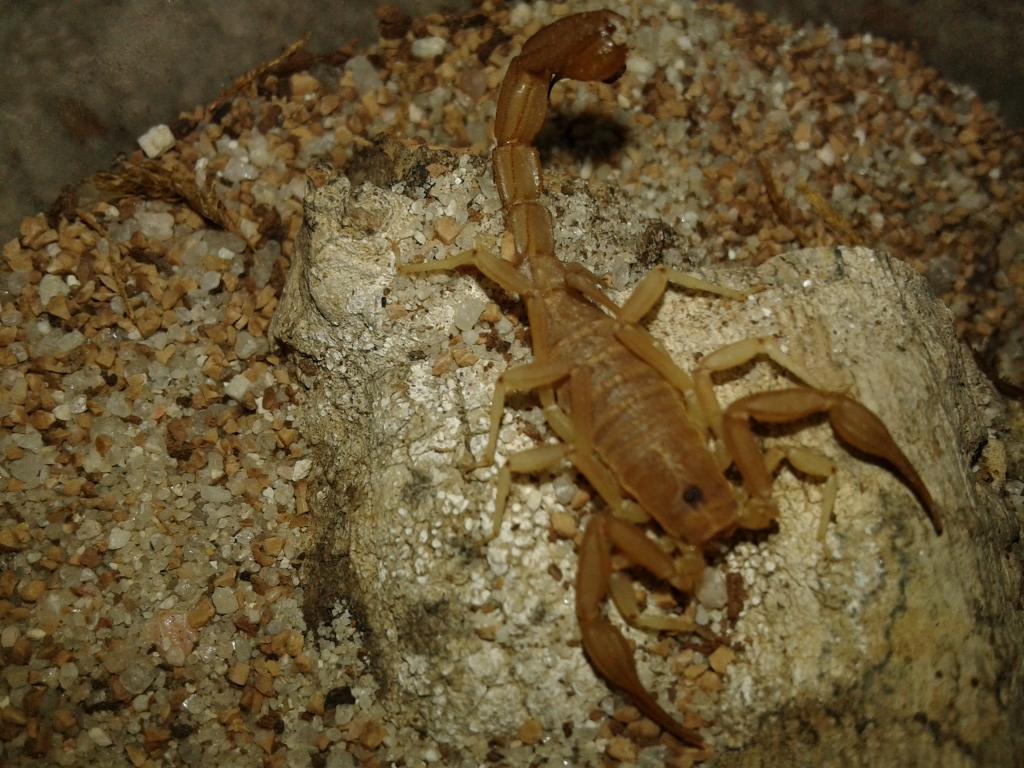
(428, 47)
(844, 638)
(156, 140)
(224, 600)
(119, 538)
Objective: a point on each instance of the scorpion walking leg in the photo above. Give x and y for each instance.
(656, 282)
(578, 450)
(545, 456)
(643, 345)
(525, 377)
(581, 279)
(733, 356)
(607, 649)
(533, 460)
(501, 272)
(542, 373)
(811, 463)
(852, 423)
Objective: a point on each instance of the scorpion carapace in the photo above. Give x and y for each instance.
(627, 417)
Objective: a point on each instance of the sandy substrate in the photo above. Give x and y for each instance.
(153, 481)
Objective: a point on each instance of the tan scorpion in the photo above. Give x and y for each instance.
(628, 418)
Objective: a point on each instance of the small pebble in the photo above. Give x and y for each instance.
(563, 524)
(51, 286)
(530, 731)
(620, 748)
(239, 673)
(118, 538)
(32, 590)
(224, 600)
(99, 737)
(9, 636)
(721, 658)
(468, 312)
(155, 225)
(428, 47)
(201, 614)
(446, 229)
(156, 140)
(237, 387)
(138, 675)
(712, 592)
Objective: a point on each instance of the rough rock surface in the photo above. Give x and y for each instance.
(884, 645)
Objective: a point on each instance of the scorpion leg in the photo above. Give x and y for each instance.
(622, 594)
(545, 456)
(501, 272)
(852, 423)
(538, 374)
(522, 378)
(733, 356)
(811, 463)
(581, 279)
(643, 345)
(533, 460)
(656, 282)
(579, 451)
(607, 649)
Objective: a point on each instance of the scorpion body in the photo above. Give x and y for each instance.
(631, 421)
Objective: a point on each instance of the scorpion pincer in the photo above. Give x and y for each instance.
(628, 418)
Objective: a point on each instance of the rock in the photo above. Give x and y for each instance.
(428, 47)
(884, 645)
(156, 140)
(237, 387)
(224, 600)
(51, 286)
(119, 538)
(158, 225)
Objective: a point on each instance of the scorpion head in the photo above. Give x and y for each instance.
(692, 506)
(702, 511)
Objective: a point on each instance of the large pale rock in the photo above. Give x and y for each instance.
(884, 645)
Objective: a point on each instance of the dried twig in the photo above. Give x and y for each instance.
(832, 218)
(280, 63)
(166, 180)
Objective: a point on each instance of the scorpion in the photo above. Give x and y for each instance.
(630, 420)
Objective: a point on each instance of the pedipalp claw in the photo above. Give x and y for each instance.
(859, 427)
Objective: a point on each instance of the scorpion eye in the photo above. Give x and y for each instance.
(692, 495)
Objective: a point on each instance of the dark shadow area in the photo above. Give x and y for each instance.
(579, 137)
